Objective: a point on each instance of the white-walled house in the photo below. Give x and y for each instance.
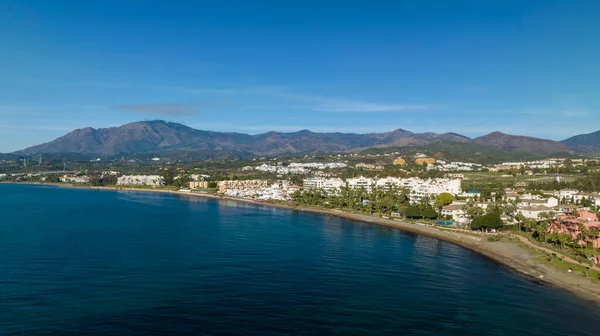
(548, 203)
(593, 197)
(456, 211)
(532, 212)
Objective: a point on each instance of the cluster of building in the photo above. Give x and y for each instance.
(368, 166)
(259, 190)
(296, 168)
(582, 226)
(537, 164)
(418, 188)
(318, 165)
(442, 165)
(579, 223)
(577, 197)
(527, 205)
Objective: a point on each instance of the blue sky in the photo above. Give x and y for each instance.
(472, 67)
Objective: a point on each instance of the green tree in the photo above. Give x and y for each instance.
(584, 234)
(412, 212)
(490, 220)
(444, 199)
(593, 234)
(429, 213)
(53, 179)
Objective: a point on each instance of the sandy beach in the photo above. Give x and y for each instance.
(510, 254)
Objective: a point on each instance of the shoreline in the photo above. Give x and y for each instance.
(505, 253)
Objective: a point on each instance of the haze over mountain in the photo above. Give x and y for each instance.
(584, 142)
(167, 137)
(521, 143)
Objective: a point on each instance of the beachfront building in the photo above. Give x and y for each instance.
(418, 188)
(388, 183)
(75, 179)
(223, 186)
(458, 212)
(361, 183)
(198, 184)
(430, 188)
(145, 180)
(583, 228)
(259, 189)
(330, 185)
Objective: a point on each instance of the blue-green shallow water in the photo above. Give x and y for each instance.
(85, 262)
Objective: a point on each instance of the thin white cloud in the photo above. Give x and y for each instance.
(311, 101)
(571, 112)
(263, 128)
(17, 127)
(326, 104)
(160, 109)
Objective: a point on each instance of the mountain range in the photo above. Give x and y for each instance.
(161, 137)
(584, 142)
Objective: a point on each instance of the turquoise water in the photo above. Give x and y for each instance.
(88, 262)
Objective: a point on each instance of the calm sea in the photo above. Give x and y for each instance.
(86, 262)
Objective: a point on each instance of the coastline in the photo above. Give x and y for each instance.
(506, 253)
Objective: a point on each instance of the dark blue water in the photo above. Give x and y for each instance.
(85, 262)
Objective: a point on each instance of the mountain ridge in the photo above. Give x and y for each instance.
(520, 143)
(589, 142)
(158, 136)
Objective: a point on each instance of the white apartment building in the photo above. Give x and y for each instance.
(418, 188)
(594, 197)
(75, 179)
(361, 183)
(149, 180)
(548, 203)
(532, 212)
(327, 184)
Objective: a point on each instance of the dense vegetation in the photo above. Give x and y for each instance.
(458, 151)
(589, 183)
(377, 201)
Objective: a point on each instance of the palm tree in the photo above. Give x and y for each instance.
(584, 234)
(545, 217)
(565, 238)
(593, 232)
